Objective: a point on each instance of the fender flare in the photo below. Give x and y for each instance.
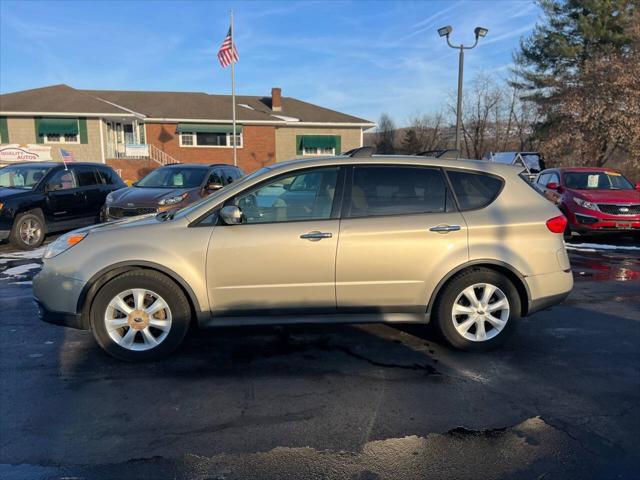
(521, 284)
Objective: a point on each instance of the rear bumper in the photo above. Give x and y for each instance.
(548, 289)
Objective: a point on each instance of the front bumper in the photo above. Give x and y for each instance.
(4, 234)
(584, 220)
(58, 297)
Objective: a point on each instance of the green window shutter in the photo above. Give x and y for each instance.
(4, 130)
(39, 136)
(299, 144)
(319, 141)
(58, 126)
(82, 130)
(338, 144)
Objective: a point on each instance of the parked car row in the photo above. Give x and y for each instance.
(38, 198)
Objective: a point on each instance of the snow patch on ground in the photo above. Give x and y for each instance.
(21, 269)
(593, 247)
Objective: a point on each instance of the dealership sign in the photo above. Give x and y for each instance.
(24, 153)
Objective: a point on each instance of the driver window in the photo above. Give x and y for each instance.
(62, 180)
(303, 196)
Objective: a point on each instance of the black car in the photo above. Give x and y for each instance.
(168, 187)
(37, 198)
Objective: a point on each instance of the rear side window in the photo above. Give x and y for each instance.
(474, 190)
(87, 176)
(391, 190)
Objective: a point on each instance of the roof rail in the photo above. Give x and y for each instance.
(441, 153)
(359, 152)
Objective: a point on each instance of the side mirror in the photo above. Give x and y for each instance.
(287, 186)
(553, 186)
(637, 186)
(134, 184)
(212, 187)
(231, 215)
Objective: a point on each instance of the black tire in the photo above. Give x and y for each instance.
(444, 322)
(32, 219)
(152, 281)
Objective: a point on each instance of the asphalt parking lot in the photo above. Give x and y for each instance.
(355, 402)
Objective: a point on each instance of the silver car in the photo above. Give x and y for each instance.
(467, 245)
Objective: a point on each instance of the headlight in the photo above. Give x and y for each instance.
(63, 243)
(585, 204)
(172, 200)
(110, 198)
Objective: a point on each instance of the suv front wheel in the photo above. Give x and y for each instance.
(140, 315)
(478, 310)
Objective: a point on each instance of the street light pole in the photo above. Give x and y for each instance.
(445, 32)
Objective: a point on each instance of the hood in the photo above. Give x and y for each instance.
(608, 196)
(124, 223)
(7, 193)
(144, 197)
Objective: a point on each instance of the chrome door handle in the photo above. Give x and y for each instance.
(445, 228)
(316, 235)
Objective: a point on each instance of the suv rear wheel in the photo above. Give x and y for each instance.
(140, 315)
(478, 310)
(28, 231)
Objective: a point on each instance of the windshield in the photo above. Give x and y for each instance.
(174, 177)
(597, 181)
(211, 198)
(22, 176)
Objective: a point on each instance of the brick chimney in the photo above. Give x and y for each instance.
(276, 99)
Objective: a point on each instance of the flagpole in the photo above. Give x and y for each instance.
(233, 97)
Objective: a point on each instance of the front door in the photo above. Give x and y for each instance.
(399, 236)
(281, 259)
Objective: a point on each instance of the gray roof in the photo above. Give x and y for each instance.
(169, 105)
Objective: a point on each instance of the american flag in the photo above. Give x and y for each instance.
(228, 53)
(66, 156)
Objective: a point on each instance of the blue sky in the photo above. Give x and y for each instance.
(359, 57)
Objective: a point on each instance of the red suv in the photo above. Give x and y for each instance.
(593, 199)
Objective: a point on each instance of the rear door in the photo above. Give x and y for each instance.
(92, 189)
(400, 234)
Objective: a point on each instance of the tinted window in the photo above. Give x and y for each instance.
(215, 177)
(108, 177)
(390, 190)
(62, 180)
(86, 176)
(554, 179)
(303, 196)
(231, 174)
(474, 190)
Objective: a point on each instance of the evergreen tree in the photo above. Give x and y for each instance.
(410, 142)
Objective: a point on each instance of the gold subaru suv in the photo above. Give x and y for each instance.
(466, 245)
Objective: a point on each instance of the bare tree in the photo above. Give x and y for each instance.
(385, 135)
(428, 130)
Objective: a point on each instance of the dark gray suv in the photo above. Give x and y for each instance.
(168, 187)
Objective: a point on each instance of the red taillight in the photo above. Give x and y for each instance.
(557, 224)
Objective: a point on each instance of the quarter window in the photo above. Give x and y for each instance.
(474, 190)
(391, 190)
(303, 196)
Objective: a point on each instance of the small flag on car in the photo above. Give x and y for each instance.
(67, 156)
(228, 54)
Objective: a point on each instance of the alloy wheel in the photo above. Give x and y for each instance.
(30, 232)
(138, 319)
(480, 312)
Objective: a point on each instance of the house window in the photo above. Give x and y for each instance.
(57, 138)
(209, 139)
(319, 151)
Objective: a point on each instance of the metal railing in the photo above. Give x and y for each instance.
(163, 158)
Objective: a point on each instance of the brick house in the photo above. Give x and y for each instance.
(137, 131)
